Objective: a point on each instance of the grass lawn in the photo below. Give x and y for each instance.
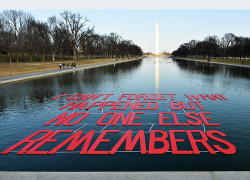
(10, 69)
(227, 61)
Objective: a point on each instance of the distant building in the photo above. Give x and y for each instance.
(148, 53)
(166, 53)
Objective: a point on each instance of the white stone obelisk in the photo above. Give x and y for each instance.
(157, 40)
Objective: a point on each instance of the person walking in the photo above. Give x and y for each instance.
(63, 65)
(60, 65)
(10, 60)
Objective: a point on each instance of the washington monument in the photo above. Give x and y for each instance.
(157, 40)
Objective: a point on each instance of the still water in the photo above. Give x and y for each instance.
(26, 106)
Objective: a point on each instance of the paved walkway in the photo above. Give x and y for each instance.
(215, 62)
(176, 175)
(21, 77)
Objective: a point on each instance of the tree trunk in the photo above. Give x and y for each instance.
(74, 51)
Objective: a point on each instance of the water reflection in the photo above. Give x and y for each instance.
(39, 91)
(25, 106)
(213, 69)
(157, 74)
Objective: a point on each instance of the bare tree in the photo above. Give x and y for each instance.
(16, 24)
(114, 40)
(211, 44)
(227, 42)
(237, 50)
(74, 25)
(192, 47)
(2, 35)
(52, 32)
(37, 40)
(21, 34)
(43, 38)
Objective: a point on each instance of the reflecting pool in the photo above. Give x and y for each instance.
(26, 106)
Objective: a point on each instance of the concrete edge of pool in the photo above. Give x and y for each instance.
(22, 77)
(192, 175)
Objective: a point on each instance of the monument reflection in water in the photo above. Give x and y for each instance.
(157, 65)
(26, 106)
